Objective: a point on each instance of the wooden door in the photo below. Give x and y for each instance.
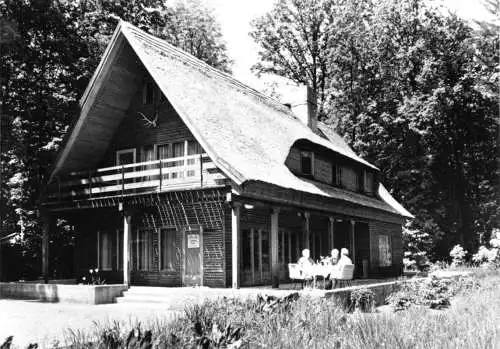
(193, 258)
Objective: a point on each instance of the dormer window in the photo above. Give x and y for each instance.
(368, 183)
(336, 175)
(306, 162)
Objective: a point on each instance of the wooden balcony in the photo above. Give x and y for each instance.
(186, 172)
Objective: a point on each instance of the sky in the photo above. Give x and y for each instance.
(235, 16)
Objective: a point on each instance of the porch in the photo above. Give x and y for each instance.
(209, 237)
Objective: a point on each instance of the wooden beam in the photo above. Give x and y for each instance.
(235, 241)
(127, 230)
(47, 224)
(1, 264)
(353, 242)
(275, 266)
(331, 233)
(307, 231)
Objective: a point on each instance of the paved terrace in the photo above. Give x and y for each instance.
(48, 323)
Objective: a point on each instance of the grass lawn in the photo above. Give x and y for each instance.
(471, 321)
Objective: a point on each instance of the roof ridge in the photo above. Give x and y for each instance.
(189, 58)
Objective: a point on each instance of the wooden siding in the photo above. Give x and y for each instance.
(293, 160)
(351, 173)
(110, 103)
(132, 132)
(394, 231)
(208, 215)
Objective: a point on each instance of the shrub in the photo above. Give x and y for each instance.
(489, 256)
(363, 299)
(457, 255)
(431, 292)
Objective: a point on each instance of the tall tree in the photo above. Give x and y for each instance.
(407, 90)
(293, 40)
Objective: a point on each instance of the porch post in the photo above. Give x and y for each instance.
(275, 267)
(1, 259)
(127, 228)
(331, 227)
(353, 242)
(307, 216)
(47, 220)
(235, 242)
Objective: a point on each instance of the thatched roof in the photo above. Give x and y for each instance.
(247, 134)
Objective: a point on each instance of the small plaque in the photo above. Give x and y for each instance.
(193, 240)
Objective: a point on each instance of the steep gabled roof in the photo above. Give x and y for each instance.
(247, 134)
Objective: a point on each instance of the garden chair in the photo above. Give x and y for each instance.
(343, 276)
(294, 273)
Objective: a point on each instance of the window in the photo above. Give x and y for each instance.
(105, 250)
(194, 148)
(384, 251)
(148, 93)
(125, 156)
(178, 151)
(306, 162)
(109, 250)
(147, 155)
(350, 178)
(368, 183)
(336, 175)
(167, 249)
(142, 248)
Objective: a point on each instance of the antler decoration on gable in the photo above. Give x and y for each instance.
(153, 123)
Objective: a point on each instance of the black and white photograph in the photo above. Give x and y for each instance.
(242, 174)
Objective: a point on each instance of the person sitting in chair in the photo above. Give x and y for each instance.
(306, 263)
(344, 260)
(334, 258)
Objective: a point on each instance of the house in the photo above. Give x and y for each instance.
(177, 174)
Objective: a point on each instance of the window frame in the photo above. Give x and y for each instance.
(125, 151)
(160, 251)
(311, 157)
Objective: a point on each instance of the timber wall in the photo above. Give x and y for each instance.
(132, 132)
(394, 231)
(208, 215)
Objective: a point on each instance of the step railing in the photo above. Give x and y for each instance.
(192, 171)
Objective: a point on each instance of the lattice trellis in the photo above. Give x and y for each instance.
(181, 209)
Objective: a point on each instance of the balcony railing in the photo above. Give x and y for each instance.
(192, 171)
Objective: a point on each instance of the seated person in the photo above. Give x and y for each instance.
(334, 259)
(344, 260)
(305, 262)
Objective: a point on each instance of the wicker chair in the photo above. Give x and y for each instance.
(343, 276)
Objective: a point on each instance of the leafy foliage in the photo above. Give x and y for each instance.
(294, 38)
(363, 299)
(414, 90)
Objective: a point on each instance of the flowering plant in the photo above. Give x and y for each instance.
(93, 278)
(458, 254)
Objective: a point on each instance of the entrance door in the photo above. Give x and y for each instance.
(193, 247)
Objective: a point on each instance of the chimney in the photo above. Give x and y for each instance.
(301, 100)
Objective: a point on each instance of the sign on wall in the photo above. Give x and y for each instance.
(193, 240)
(384, 251)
